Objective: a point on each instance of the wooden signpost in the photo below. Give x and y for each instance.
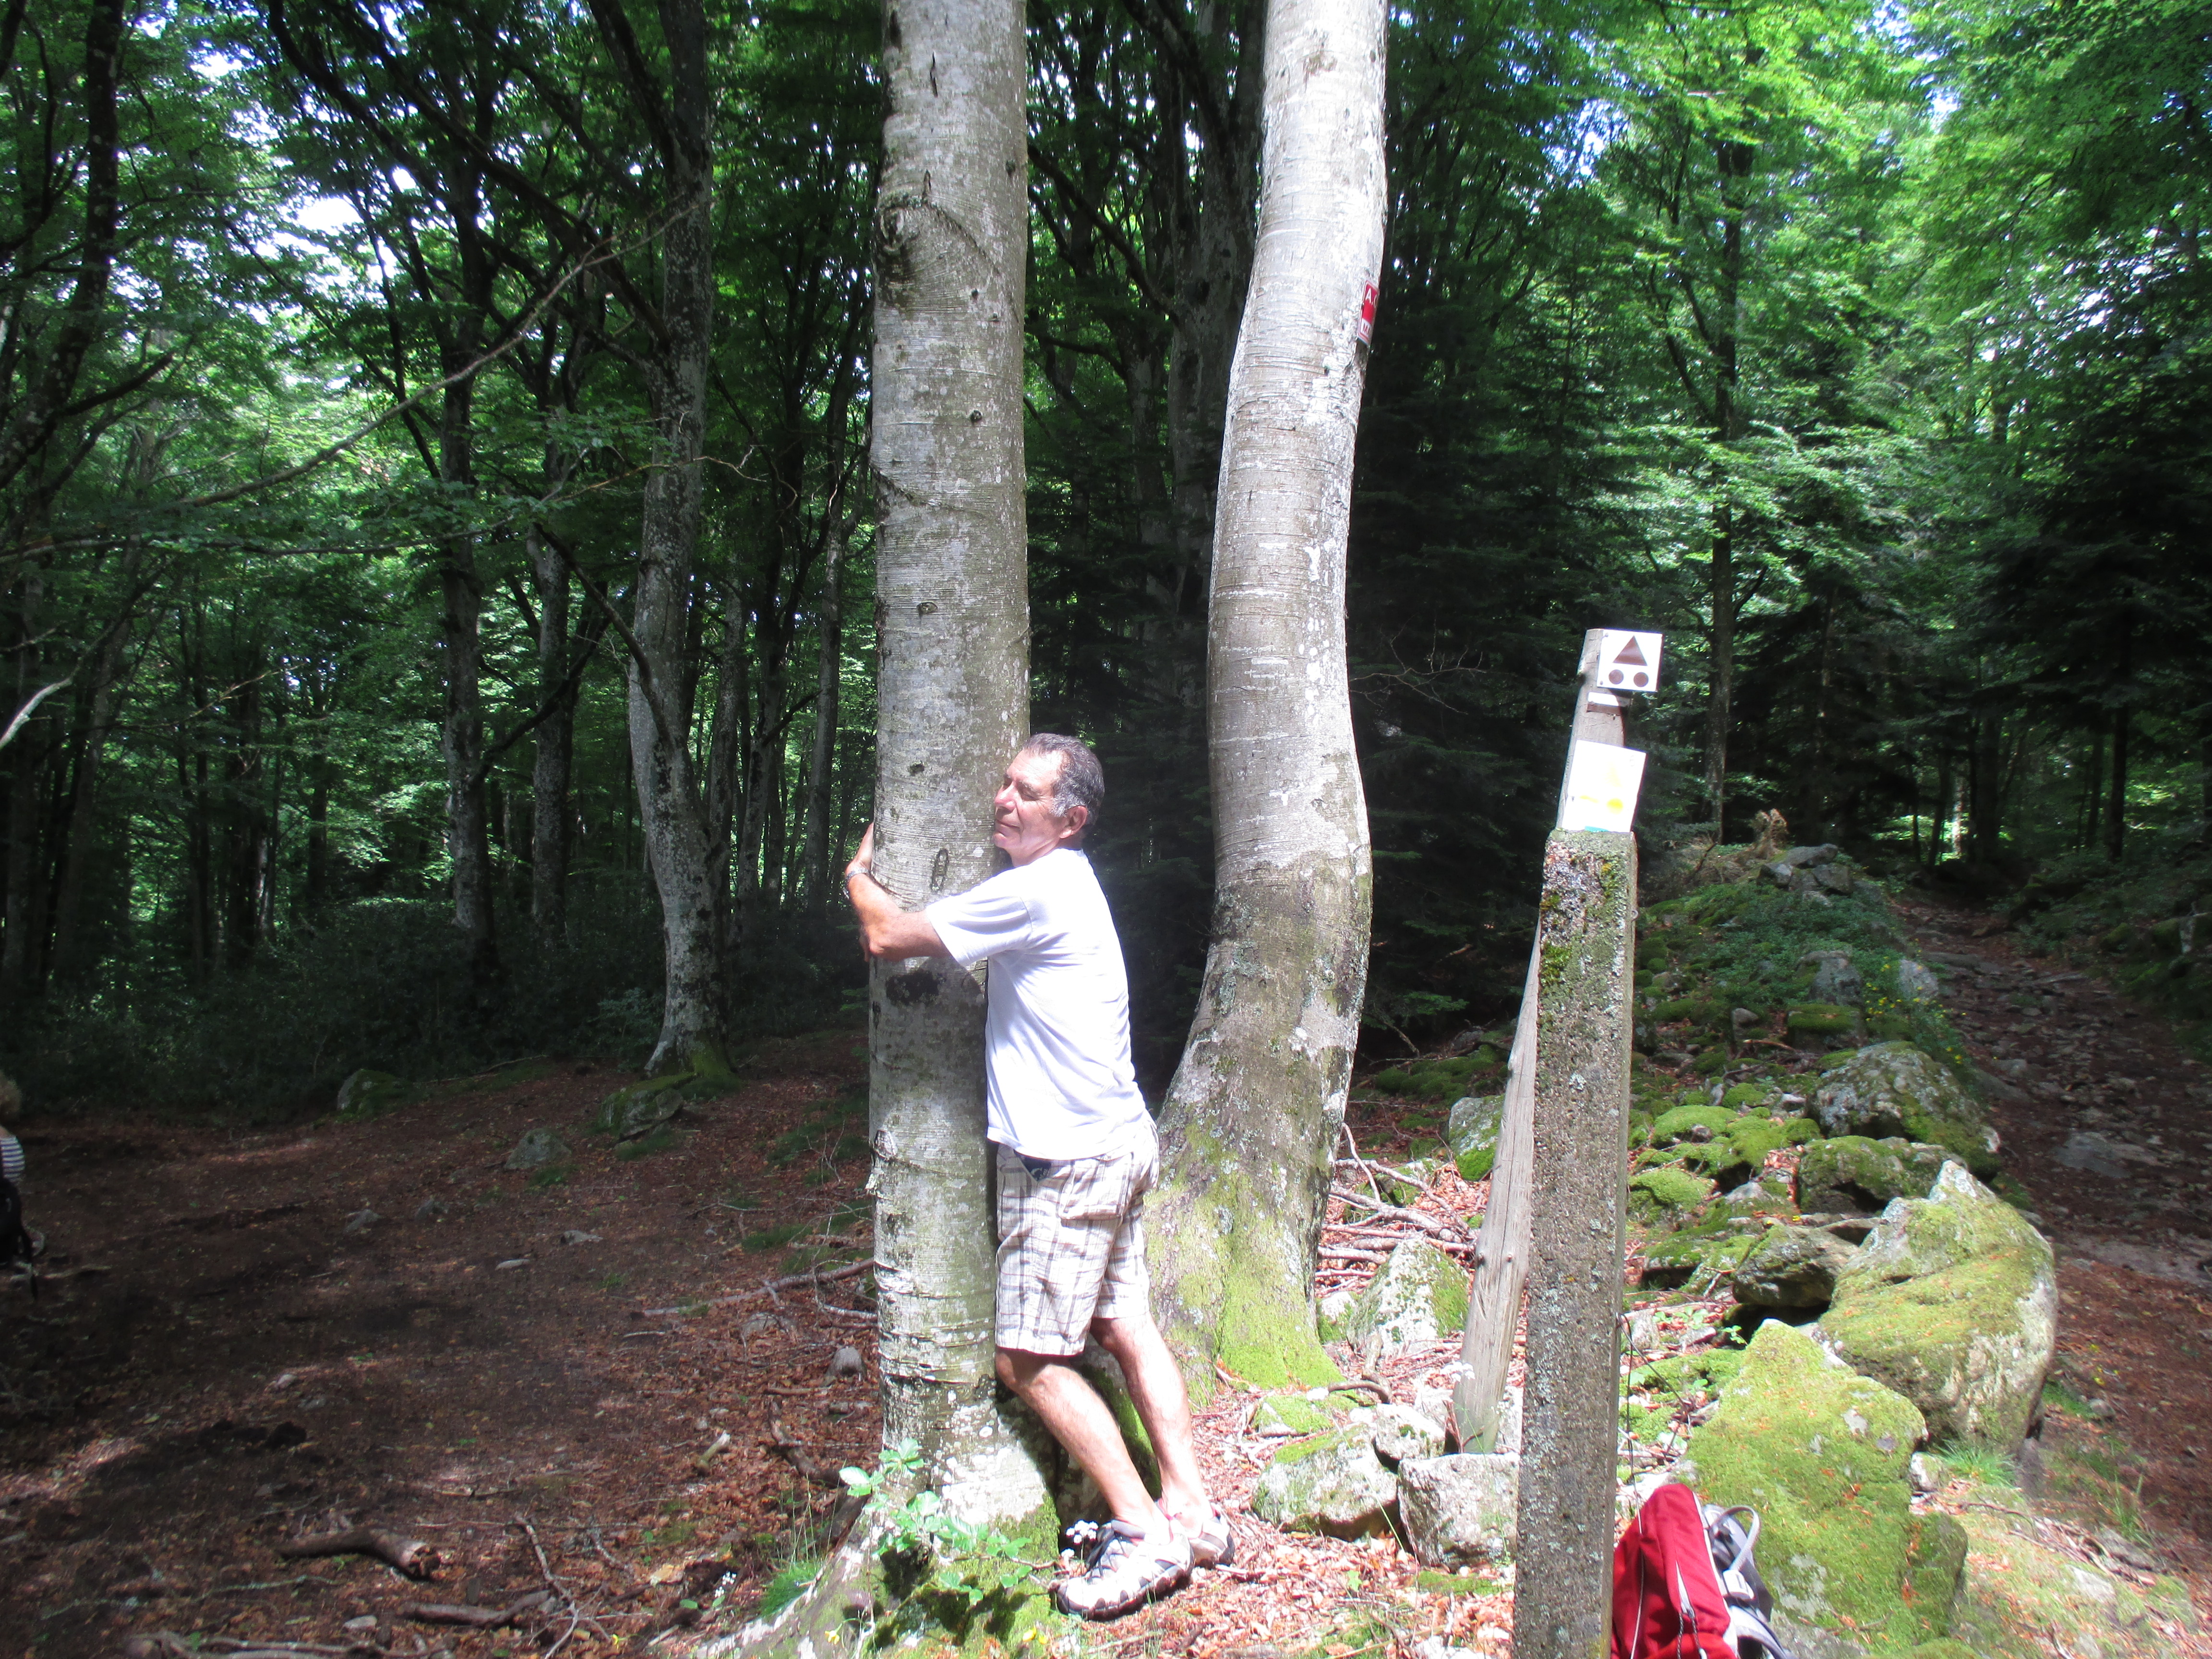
(1556, 1224)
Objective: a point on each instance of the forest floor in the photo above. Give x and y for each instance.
(567, 1390)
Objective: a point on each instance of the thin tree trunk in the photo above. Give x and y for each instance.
(80, 843)
(245, 827)
(1252, 1119)
(557, 735)
(25, 758)
(816, 852)
(2116, 810)
(1214, 272)
(468, 826)
(670, 806)
(952, 583)
(1734, 167)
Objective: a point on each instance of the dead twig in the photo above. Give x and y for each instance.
(789, 1282)
(450, 1613)
(1426, 1222)
(794, 1452)
(404, 1555)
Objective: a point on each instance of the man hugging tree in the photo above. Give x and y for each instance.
(1076, 1154)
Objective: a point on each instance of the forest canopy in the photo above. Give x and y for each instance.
(411, 415)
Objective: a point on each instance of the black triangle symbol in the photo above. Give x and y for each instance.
(1632, 654)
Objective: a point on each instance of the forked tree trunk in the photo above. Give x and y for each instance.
(1251, 1120)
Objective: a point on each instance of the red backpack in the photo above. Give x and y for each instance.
(1683, 1586)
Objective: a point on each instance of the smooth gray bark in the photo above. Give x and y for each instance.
(1252, 1118)
(670, 804)
(952, 238)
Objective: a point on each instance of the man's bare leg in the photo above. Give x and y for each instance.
(1155, 1388)
(1071, 1408)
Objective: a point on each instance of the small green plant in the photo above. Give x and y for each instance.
(790, 1582)
(1984, 1466)
(553, 1174)
(967, 1560)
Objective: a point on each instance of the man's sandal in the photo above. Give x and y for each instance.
(1126, 1569)
(1211, 1543)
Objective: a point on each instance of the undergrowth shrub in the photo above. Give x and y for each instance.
(385, 983)
(1744, 945)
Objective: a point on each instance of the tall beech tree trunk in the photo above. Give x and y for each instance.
(669, 803)
(952, 586)
(1251, 1120)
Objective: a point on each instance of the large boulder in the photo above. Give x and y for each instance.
(1458, 1511)
(1471, 1131)
(1896, 1089)
(1400, 1434)
(639, 1108)
(1667, 1196)
(1836, 977)
(1420, 1297)
(1953, 1302)
(1821, 1453)
(538, 1148)
(366, 1092)
(1334, 1482)
(1792, 1268)
(1851, 1173)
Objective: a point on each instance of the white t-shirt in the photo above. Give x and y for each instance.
(1056, 1040)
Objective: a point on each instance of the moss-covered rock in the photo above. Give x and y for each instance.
(1753, 1137)
(1766, 1194)
(1800, 1132)
(1401, 1434)
(1813, 1023)
(1704, 1255)
(1820, 1452)
(1852, 1173)
(365, 1093)
(637, 1108)
(1835, 980)
(1280, 1416)
(1418, 1298)
(1897, 1089)
(1458, 1511)
(536, 1149)
(1791, 1267)
(1678, 1124)
(1333, 1484)
(1471, 1132)
(1667, 1195)
(1953, 1302)
(2041, 1600)
(1748, 1097)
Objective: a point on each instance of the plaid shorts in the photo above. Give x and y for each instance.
(1071, 1245)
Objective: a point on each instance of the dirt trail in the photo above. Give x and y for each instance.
(535, 1377)
(2109, 1124)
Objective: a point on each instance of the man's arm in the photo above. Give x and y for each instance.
(886, 931)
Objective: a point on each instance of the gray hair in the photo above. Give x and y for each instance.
(1081, 783)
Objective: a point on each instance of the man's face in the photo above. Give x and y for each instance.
(1023, 824)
